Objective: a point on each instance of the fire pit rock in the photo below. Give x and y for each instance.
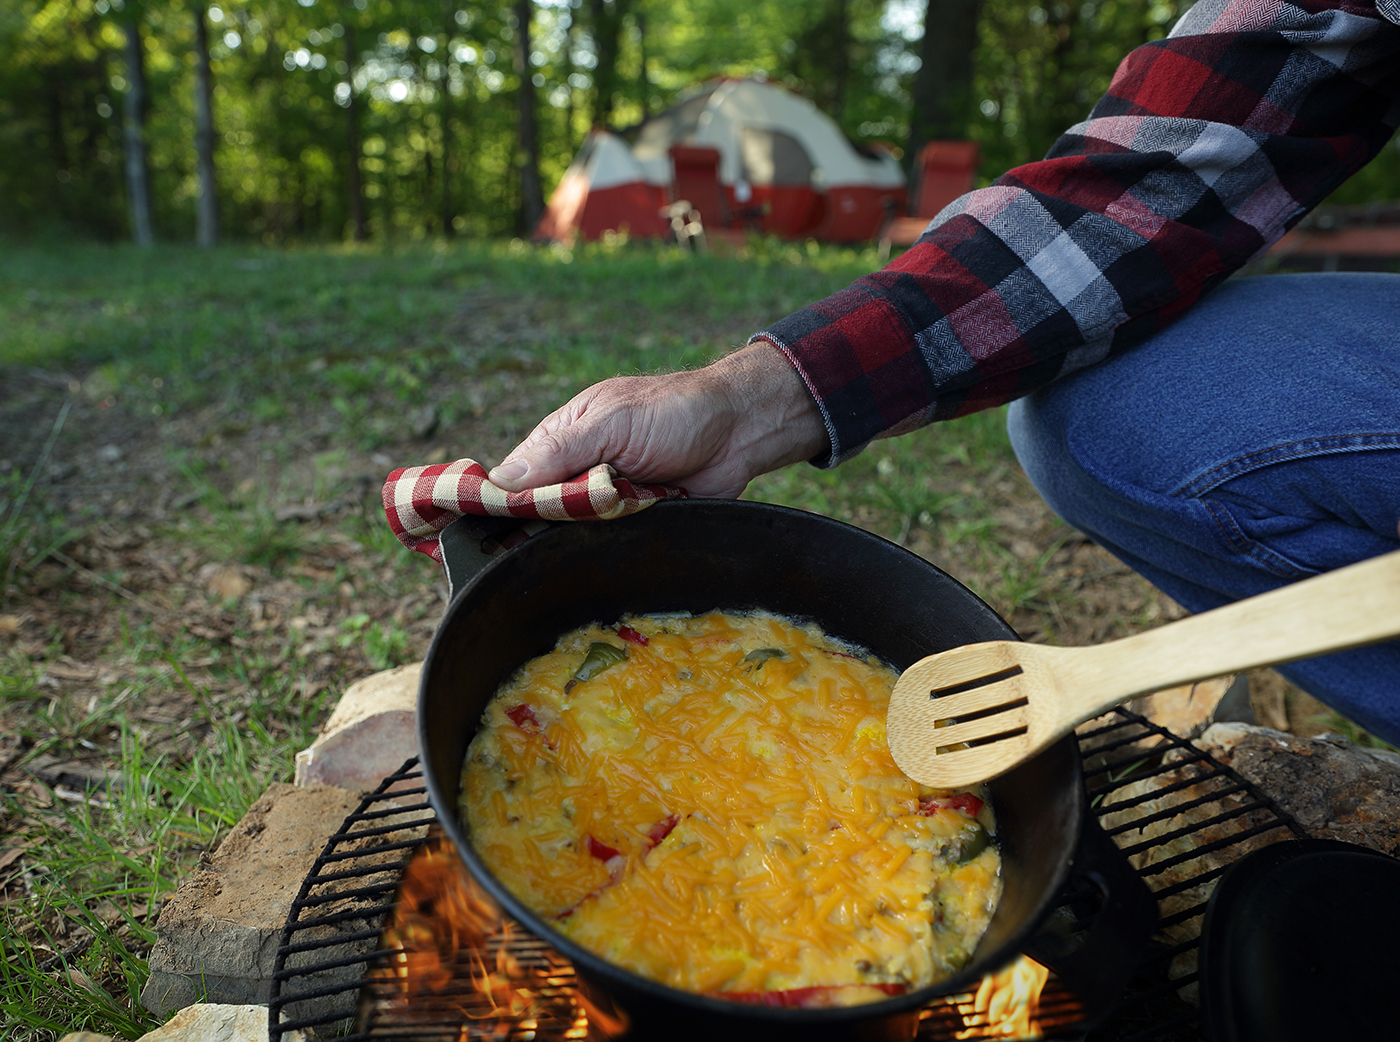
(217, 937)
(369, 735)
(205, 1022)
(1332, 788)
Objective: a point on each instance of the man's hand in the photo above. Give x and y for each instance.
(710, 430)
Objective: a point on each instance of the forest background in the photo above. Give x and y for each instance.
(327, 120)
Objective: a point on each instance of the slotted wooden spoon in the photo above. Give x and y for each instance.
(974, 712)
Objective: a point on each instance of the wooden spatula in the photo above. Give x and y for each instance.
(974, 712)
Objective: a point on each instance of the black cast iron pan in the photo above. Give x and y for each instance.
(699, 555)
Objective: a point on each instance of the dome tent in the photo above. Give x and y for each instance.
(746, 153)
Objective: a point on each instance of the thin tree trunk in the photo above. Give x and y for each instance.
(138, 172)
(531, 196)
(354, 181)
(841, 64)
(607, 44)
(207, 205)
(644, 85)
(568, 82)
(942, 93)
(448, 213)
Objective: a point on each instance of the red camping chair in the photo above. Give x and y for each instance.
(945, 171)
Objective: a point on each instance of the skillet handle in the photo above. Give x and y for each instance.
(1099, 969)
(462, 554)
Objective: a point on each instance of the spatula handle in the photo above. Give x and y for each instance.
(1346, 608)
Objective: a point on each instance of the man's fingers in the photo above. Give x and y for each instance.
(548, 460)
(563, 445)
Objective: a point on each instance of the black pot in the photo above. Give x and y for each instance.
(700, 555)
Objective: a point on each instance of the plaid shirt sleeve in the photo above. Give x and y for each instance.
(1208, 146)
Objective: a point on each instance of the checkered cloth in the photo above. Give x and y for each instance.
(1208, 146)
(421, 501)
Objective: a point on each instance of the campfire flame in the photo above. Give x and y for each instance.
(453, 958)
(1006, 1002)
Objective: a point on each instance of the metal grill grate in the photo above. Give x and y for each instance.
(1180, 817)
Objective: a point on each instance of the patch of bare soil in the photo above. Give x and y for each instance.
(246, 557)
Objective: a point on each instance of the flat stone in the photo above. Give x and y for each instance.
(369, 736)
(216, 1022)
(217, 937)
(203, 1022)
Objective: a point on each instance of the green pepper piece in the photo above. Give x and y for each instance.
(762, 655)
(974, 845)
(600, 656)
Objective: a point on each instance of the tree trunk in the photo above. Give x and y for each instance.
(570, 147)
(643, 84)
(531, 196)
(207, 205)
(942, 93)
(354, 182)
(821, 58)
(448, 212)
(138, 171)
(607, 45)
(841, 59)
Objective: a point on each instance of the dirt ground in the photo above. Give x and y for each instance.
(158, 562)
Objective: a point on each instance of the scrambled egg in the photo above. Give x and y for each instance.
(708, 802)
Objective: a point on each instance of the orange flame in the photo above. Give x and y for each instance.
(1006, 1002)
(455, 958)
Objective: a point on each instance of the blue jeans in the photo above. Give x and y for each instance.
(1253, 443)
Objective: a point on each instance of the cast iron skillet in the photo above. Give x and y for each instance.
(699, 555)
(1299, 944)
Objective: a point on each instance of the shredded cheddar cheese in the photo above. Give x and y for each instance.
(718, 812)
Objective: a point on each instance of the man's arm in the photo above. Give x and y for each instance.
(1209, 145)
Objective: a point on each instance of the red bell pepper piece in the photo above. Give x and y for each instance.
(629, 634)
(962, 801)
(524, 718)
(602, 851)
(661, 830)
(815, 997)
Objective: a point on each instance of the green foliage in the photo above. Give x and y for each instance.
(1042, 66)
(385, 645)
(426, 91)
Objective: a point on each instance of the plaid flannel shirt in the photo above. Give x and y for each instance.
(1208, 146)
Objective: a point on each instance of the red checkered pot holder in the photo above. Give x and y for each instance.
(421, 501)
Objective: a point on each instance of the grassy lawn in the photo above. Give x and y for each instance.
(195, 561)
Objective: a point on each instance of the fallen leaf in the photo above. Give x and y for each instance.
(229, 583)
(7, 857)
(70, 671)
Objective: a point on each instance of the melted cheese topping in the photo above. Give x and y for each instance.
(719, 813)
